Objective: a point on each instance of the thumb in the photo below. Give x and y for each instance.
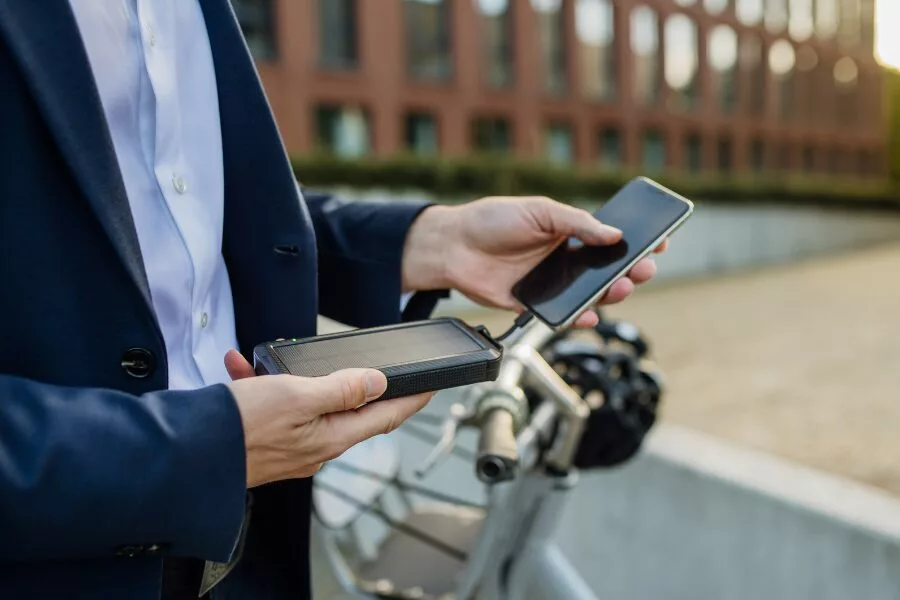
(343, 390)
(237, 366)
(565, 221)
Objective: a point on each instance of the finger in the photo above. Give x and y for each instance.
(587, 320)
(562, 220)
(344, 390)
(237, 366)
(376, 418)
(643, 271)
(662, 247)
(620, 290)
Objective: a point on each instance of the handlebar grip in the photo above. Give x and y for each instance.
(498, 454)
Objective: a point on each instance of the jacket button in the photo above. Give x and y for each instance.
(139, 363)
(129, 551)
(156, 549)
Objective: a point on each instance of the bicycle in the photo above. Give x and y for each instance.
(560, 404)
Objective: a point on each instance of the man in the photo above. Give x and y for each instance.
(151, 233)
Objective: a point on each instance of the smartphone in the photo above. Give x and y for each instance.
(575, 276)
(416, 357)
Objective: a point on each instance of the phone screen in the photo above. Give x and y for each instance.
(564, 283)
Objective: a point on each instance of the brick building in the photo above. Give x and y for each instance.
(691, 85)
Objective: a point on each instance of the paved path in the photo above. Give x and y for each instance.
(801, 361)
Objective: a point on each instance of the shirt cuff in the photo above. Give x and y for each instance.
(404, 300)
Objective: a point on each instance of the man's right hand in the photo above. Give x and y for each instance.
(294, 424)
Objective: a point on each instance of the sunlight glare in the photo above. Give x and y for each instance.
(887, 20)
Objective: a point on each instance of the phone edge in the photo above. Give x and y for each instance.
(650, 247)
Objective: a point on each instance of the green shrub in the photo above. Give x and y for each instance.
(892, 114)
(461, 179)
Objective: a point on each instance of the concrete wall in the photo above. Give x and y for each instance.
(696, 519)
(727, 238)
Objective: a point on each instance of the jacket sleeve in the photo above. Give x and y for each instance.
(88, 473)
(360, 248)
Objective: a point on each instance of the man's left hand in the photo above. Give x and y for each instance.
(484, 247)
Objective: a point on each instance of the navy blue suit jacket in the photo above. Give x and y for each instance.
(103, 472)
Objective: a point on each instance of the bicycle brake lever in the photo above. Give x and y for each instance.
(459, 416)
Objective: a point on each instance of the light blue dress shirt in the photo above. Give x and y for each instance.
(153, 68)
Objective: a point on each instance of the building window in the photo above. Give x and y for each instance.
(757, 155)
(257, 25)
(782, 60)
(807, 102)
(784, 157)
(421, 133)
(776, 15)
(610, 148)
(681, 61)
(846, 80)
(826, 18)
(723, 59)
(559, 146)
(835, 161)
(491, 134)
(715, 7)
(753, 61)
(724, 154)
(552, 31)
(595, 28)
(428, 52)
(749, 12)
(849, 31)
(497, 26)
(809, 159)
(867, 24)
(801, 24)
(654, 151)
(645, 48)
(343, 131)
(337, 34)
(868, 163)
(693, 153)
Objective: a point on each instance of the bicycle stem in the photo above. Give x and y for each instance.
(572, 409)
(500, 410)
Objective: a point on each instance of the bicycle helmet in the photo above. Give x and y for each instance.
(621, 389)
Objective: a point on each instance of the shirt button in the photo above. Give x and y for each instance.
(179, 184)
(151, 36)
(204, 320)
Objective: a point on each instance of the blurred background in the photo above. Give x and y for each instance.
(692, 86)
(776, 314)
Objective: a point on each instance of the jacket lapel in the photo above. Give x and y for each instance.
(43, 35)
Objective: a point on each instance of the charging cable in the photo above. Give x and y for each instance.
(520, 322)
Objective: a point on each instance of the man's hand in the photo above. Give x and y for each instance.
(294, 424)
(483, 248)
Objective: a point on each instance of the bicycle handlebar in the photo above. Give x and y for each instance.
(498, 455)
(502, 408)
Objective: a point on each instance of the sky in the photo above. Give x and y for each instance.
(888, 17)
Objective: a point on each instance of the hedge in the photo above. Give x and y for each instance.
(892, 104)
(475, 176)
